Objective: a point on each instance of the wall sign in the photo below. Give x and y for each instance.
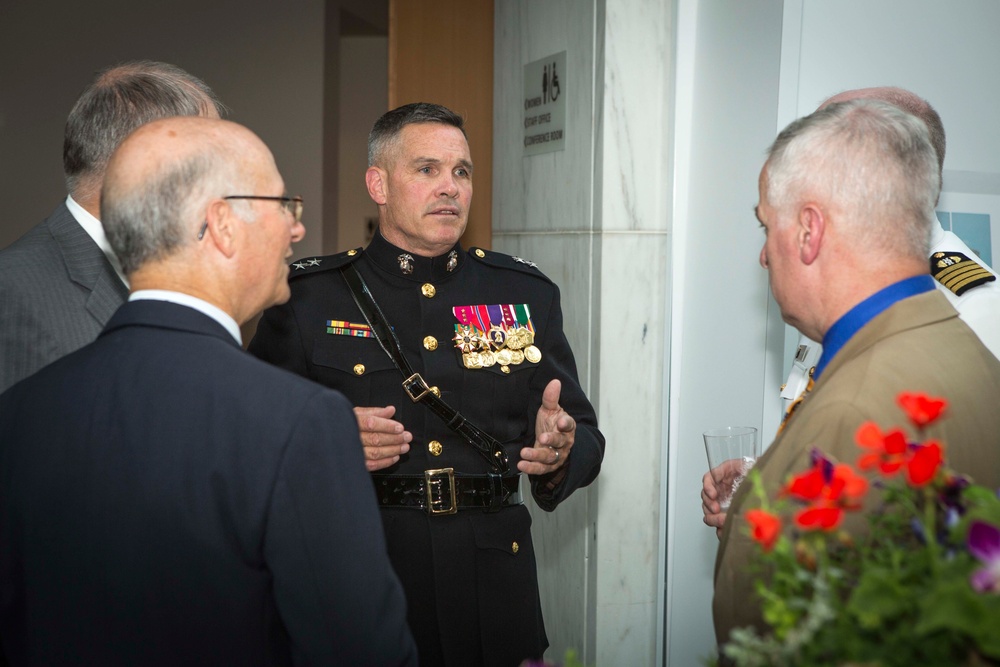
(545, 105)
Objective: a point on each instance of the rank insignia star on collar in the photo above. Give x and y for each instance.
(524, 261)
(299, 265)
(315, 261)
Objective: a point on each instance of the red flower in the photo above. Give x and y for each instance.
(765, 527)
(890, 448)
(830, 490)
(924, 463)
(921, 408)
(813, 516)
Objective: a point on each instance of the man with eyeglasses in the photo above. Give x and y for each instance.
(462, 380)
(60, 282)
(165, 498)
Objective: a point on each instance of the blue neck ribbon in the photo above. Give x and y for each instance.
(863, 313)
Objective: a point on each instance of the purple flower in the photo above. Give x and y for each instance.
(984, 544)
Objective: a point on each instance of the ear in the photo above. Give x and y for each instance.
(377, 179)
(223, 227)
(811, 228)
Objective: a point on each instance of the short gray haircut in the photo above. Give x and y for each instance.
(152, 219)
(387, 128)
(869, 158)
(119, 100)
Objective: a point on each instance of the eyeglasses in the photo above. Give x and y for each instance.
(292, 205)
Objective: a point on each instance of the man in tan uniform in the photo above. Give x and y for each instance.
(847, 204)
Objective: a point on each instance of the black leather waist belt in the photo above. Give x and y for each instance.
(443, 492)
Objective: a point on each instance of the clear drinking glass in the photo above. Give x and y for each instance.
(732, 451)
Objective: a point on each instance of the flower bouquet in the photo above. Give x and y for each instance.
(920, 587)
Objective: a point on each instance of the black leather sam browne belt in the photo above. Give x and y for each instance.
(444, 492)
(440, 491)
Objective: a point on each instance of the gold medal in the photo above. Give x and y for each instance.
(488, 358)
(464, 339)
(517, 357)
(503, 357)
(472, 360)
(532, 354)
(515, 339)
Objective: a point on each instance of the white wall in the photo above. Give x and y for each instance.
(726, 107)
(948, 53)
(265, 61)
(364, 86)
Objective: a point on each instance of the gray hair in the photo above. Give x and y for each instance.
(390, 124)
(119, 100)
(871, 159)
(152, 218)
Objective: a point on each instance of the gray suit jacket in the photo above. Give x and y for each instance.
(919, 344)
(57, 291)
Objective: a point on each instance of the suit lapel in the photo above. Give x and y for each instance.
(87, 266)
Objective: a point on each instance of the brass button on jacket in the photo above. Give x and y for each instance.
(428, 290)
(435, 447)
(430, 343)
(359, 369)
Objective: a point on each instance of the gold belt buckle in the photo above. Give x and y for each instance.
(433, 480)
(412, 384)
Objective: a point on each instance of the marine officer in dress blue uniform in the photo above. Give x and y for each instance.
(463, 382)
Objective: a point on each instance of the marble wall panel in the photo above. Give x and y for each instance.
(636, 84)
(593, 217)
(543, 192)
(629, 515)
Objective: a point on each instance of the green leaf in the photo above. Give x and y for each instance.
(879, 596)
(950, 606)
(985, 631)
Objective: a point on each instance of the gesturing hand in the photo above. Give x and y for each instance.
(555, 432)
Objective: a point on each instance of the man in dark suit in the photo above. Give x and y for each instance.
(484, 332)
(847, 205)
(166, 498)
(60, 282)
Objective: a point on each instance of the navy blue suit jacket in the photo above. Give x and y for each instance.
(167, 499)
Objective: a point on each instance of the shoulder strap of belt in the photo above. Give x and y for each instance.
(414, 385)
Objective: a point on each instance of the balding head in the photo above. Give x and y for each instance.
(197, 205)
(908, 102)
(162, 178)
(119, 100)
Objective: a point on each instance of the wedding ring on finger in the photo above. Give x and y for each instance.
(557, 455)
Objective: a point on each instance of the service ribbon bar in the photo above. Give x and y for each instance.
(344, 328)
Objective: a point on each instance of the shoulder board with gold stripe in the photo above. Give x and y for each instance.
(958, 273)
